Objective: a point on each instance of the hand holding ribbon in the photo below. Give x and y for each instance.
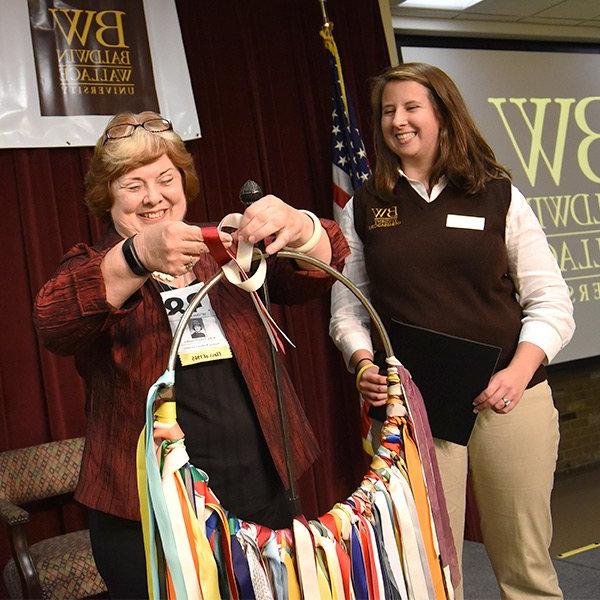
(236, 269)
(271, 217)
(172, 247)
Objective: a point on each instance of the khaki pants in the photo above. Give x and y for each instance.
(511, 458)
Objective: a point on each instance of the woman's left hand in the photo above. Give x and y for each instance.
(271, 216)
(503, 392)
(506, 387)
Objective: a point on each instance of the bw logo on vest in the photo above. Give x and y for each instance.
(385, 217)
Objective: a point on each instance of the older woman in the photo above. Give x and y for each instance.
(113, 306)
(467, 258)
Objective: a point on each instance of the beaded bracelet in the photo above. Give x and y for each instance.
(314, 238)
(361, 371)
(132, 259)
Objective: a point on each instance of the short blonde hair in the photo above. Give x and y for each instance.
(113, 158)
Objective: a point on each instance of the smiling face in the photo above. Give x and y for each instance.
(410, 125)
(150, 194)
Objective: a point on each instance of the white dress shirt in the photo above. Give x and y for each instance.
(542, 292)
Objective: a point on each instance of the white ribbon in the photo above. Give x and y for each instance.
(173, 461)
(243, 259)
(236, 272)
(305, 561)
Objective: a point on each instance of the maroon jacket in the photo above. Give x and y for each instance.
(121, 352)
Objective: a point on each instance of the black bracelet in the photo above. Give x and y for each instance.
(132, 259)
(359, 361)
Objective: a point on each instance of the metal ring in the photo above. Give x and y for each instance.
(506, 402)
(375, 318)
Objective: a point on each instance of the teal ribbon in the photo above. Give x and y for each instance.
(157, 504)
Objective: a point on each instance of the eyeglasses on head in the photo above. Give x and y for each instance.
(123, 130)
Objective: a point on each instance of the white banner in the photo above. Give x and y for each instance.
(66, 68)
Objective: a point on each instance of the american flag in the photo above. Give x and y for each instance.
(349, 158)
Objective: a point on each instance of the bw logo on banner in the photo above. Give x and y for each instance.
(92, 58)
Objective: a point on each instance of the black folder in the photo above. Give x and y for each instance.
(449, 371)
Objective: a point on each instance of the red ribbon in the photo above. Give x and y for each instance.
(215, 246)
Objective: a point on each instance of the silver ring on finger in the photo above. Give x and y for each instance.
(506, 402)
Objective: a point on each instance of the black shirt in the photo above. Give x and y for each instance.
(223, 435)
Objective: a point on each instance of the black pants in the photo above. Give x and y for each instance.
(118, 546)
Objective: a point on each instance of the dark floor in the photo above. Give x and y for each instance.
(576, 519)
(578, 575)
(576, 511)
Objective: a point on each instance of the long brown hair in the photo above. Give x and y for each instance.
(464, 157)
(116, 157)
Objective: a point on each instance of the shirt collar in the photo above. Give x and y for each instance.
(436, 190)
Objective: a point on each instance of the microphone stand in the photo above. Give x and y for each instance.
(249, 193)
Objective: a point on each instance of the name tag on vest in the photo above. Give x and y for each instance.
(465, 222)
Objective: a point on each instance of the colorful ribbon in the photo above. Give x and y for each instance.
(380, 542)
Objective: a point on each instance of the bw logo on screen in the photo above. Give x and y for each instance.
(538, 130)
(543, 133)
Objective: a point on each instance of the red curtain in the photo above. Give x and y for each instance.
(261, 84)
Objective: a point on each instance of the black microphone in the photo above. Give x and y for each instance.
(250, 192)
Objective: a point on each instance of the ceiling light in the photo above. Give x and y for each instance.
(439, 4)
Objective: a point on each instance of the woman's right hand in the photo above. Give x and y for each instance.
(372, 386)
(172, 247)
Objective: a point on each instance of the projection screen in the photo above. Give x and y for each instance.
(540, 112)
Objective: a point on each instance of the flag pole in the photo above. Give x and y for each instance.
(326, 22)
(388, 29)
(350, 167)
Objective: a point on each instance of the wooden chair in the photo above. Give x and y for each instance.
(55, 568)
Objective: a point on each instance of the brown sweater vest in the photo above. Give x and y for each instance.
(451, 280)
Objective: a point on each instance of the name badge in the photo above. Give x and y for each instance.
(203, 339)
(465, 222)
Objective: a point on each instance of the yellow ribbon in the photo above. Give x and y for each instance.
(166, 413)
(142, 486)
